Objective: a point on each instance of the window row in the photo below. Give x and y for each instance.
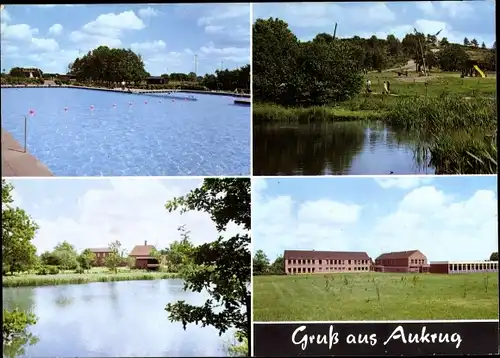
(328, 262)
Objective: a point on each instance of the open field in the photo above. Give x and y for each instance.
(375, 296)
(71, 278)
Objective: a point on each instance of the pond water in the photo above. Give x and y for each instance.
(167, 137)
(113, 319)
(347, 148)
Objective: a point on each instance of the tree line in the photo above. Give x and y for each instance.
(263, 266)
(287, 71)
(112, 66)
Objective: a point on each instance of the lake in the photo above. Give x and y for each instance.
(122, 135)
(113, 319)
(345, 148)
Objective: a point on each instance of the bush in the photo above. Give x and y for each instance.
(79, 270)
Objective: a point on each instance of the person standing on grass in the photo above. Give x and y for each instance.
(388, 87)
(385, 88)
(368, 86)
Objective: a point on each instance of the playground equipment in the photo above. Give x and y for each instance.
(476, 67)
(471, 69)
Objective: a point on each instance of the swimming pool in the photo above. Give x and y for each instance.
(80, 132)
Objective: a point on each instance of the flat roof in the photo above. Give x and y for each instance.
(461, 262)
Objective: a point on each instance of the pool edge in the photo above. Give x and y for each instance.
(18, 163)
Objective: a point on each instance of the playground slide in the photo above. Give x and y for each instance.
(479, 71)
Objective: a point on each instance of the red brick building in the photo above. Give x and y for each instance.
(402, 261)
(452, 267)
(143, 259)
(300, 262)
(100, 255)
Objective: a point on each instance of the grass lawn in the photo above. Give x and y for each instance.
(375, 296)
(437, 83)
(97, 274)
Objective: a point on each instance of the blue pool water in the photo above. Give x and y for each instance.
(210, 136)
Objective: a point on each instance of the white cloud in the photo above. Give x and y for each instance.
(45, 45)
(235, 54)
(107, 215)
(328, 211)
(5, 16)
(225, 12)
(22, 32)
(442, 225)
(148, 12)
(90, 41)
(406, 182)
(56, 29)
(426, 7)
(112, 25)
(457, 9)
(148, 46)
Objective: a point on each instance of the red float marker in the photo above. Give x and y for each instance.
(32, 112)
(92, 107)
(65, 108)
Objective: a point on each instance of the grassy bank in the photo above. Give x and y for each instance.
(94, 275)
(264, 113)
(371, 296)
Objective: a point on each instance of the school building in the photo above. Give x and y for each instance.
(451, 267)
(299, 262)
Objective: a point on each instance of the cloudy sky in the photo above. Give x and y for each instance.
(93, 212)
(447, 218)
(471, 19)
(167, 36)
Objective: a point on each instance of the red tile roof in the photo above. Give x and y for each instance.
(141, 250)
(325, 255)
(397, 255)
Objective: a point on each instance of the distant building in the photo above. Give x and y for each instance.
(100, 255)
(452, 267)
(142, 256)
(155, 80)
(402, 261)
(300, 262)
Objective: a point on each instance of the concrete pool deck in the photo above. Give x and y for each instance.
(18, 163)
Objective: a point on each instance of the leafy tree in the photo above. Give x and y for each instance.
(131, 262)
(466, 41)
(86, 259)
(474, 43)
(15, 323)
(452, 58)
(278, 266)
(494, 256)
(179, 253)
(221, 267)
(65, 256)
(274, 60)
(260, 263)
(444, 42)
(483, 45)
(115, 257)
(18, 231)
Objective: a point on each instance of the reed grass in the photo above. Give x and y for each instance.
(74, 279)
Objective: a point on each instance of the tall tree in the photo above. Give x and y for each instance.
(474, 43)
(260, 263)
(222, 267)
(18, 231)
(115, 257)
(466, 41)
(494, 256)
(86, 259)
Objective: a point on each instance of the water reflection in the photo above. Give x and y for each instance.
(356, 148)
(111, 319)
